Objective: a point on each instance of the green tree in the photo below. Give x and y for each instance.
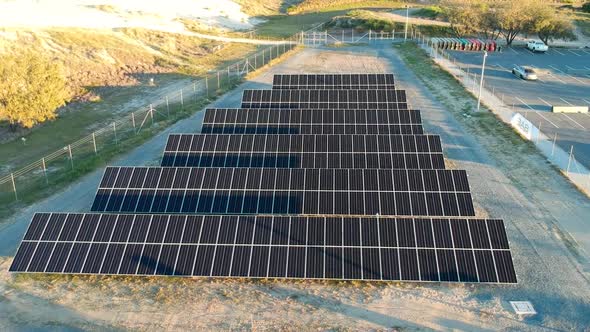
(553, 28)
(32, 88)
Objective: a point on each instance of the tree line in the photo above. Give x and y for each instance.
(493, 19)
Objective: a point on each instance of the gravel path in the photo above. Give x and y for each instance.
(552, 272)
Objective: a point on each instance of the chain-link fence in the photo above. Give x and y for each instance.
(563, 158)
(77, 158)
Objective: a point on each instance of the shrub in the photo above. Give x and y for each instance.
(31, 89)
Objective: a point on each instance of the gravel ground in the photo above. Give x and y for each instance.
(552, 270)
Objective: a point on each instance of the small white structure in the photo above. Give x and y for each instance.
(523, 308)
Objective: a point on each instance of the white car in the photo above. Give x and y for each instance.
(524, 72)
(537, 46)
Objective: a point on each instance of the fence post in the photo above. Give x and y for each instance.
(369, 34)
(538, 132)
(133, 121)
(94, 142)
(569, 160)
(181, 100)
(70, 152)
(255, 64)
(167, 106)
(152, 113)
(553, 147)
(218, 83)
(14, 186)
(44, 170)
(115, 131)
(207, 86)
(195, 91)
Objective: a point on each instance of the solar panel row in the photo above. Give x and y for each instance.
(284, 191)
(334, 81)
(307, 116)
(330, 99)
(304, 151)
(266, 246)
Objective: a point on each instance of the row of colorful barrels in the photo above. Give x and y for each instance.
(465, 44)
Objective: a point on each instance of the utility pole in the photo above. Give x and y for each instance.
(483, 68)
(407, 21)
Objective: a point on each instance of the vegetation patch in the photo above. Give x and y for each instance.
(335, 5)
(431, 12)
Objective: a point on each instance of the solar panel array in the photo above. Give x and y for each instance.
(326, 176)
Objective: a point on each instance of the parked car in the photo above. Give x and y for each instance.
(537, 46)
(524, 72)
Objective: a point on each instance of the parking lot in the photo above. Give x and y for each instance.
(564, 80)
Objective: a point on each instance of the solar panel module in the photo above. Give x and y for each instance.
(305, 151)
(333, 81)
(429, 250)
(284, 191)
(323, 99)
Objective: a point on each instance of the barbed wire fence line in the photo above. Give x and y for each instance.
(133, 128)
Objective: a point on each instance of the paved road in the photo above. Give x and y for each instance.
(540, 207)
(564, 80)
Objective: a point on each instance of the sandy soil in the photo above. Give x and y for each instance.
(110, 14)
(551, 275)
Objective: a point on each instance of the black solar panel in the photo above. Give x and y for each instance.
(329, 205)
(284, 191)
(304, 151)
(333, 81)
(327, 121)
(326, 99)
(448, 250)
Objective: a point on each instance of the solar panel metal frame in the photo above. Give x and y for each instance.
(323, 99)
(284, 191)
(401, 249)
(327, 121)
(304, 151)
(333, 81)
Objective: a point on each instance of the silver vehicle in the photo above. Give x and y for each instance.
(524, 72)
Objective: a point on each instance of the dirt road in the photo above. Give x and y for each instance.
(552, 271)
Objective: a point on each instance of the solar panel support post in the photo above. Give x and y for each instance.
(14, 186)
(94, 142)
(44, 170)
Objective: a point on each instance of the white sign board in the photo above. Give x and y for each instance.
(524, 126)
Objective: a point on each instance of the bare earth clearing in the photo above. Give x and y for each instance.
(552, 271)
